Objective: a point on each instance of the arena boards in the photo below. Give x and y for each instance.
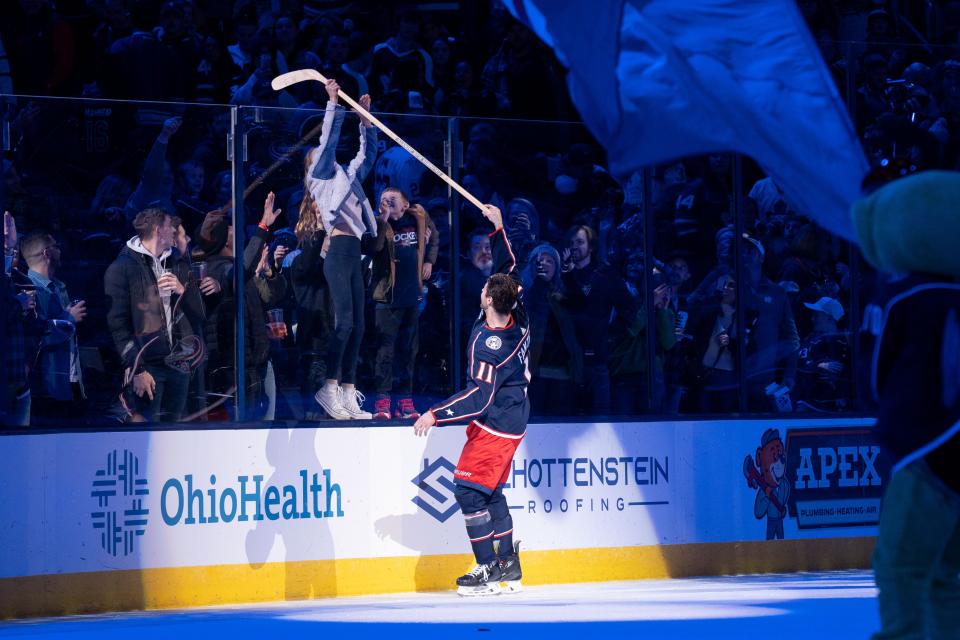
(143, 520)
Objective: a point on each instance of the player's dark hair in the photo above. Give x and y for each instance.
(504, 290)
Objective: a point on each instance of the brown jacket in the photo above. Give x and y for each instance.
(384, 256)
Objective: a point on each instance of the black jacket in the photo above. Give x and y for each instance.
(136, 316)
(257, 292)
(312, 294)
(592, 293)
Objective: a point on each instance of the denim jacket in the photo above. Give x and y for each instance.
(51, 375)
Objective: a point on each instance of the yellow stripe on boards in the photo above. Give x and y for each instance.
(96, 592)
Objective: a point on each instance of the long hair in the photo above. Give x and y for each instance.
(309, 220)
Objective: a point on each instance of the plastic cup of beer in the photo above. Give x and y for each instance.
(276, 327)
(199, 270)
(164, 291)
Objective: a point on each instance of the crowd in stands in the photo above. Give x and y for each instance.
(127, 205)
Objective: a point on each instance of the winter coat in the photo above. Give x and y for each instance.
(311, 293)
(259, 294)
(137, 315)
(383, 250)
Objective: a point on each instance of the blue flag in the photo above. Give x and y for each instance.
(658, 80)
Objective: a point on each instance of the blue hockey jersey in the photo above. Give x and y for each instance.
(497, 359)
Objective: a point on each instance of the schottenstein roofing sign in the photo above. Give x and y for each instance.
(83, 502)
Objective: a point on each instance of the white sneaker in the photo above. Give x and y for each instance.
(329, 398)
(351, 401)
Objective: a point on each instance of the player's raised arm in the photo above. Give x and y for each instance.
(504, 261)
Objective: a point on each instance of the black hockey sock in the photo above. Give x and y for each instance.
(502, 523)
(480, 532)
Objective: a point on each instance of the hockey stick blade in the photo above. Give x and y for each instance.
(293, 77)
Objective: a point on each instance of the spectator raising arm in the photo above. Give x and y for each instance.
(156, 181)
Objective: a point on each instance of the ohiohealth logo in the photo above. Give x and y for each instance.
(119, 492)
(436, 481)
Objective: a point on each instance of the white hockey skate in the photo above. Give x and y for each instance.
(482, 580)
(510, 573)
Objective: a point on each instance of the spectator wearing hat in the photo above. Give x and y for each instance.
(556, 359)
(823, 359)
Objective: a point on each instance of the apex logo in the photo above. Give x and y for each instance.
(847, 466)
(436, 483)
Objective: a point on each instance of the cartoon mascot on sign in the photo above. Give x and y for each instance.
(768, 478)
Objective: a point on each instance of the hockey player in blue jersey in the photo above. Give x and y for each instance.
(495, 407)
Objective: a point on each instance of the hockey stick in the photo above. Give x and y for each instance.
(301, 75)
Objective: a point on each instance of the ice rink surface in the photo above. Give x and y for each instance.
(783, 607)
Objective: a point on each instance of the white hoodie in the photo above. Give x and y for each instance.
(159, 268)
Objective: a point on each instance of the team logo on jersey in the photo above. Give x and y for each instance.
(494, 343)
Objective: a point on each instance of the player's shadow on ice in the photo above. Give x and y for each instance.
(306, 561)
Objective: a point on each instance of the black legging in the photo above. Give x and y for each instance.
(342, 270)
